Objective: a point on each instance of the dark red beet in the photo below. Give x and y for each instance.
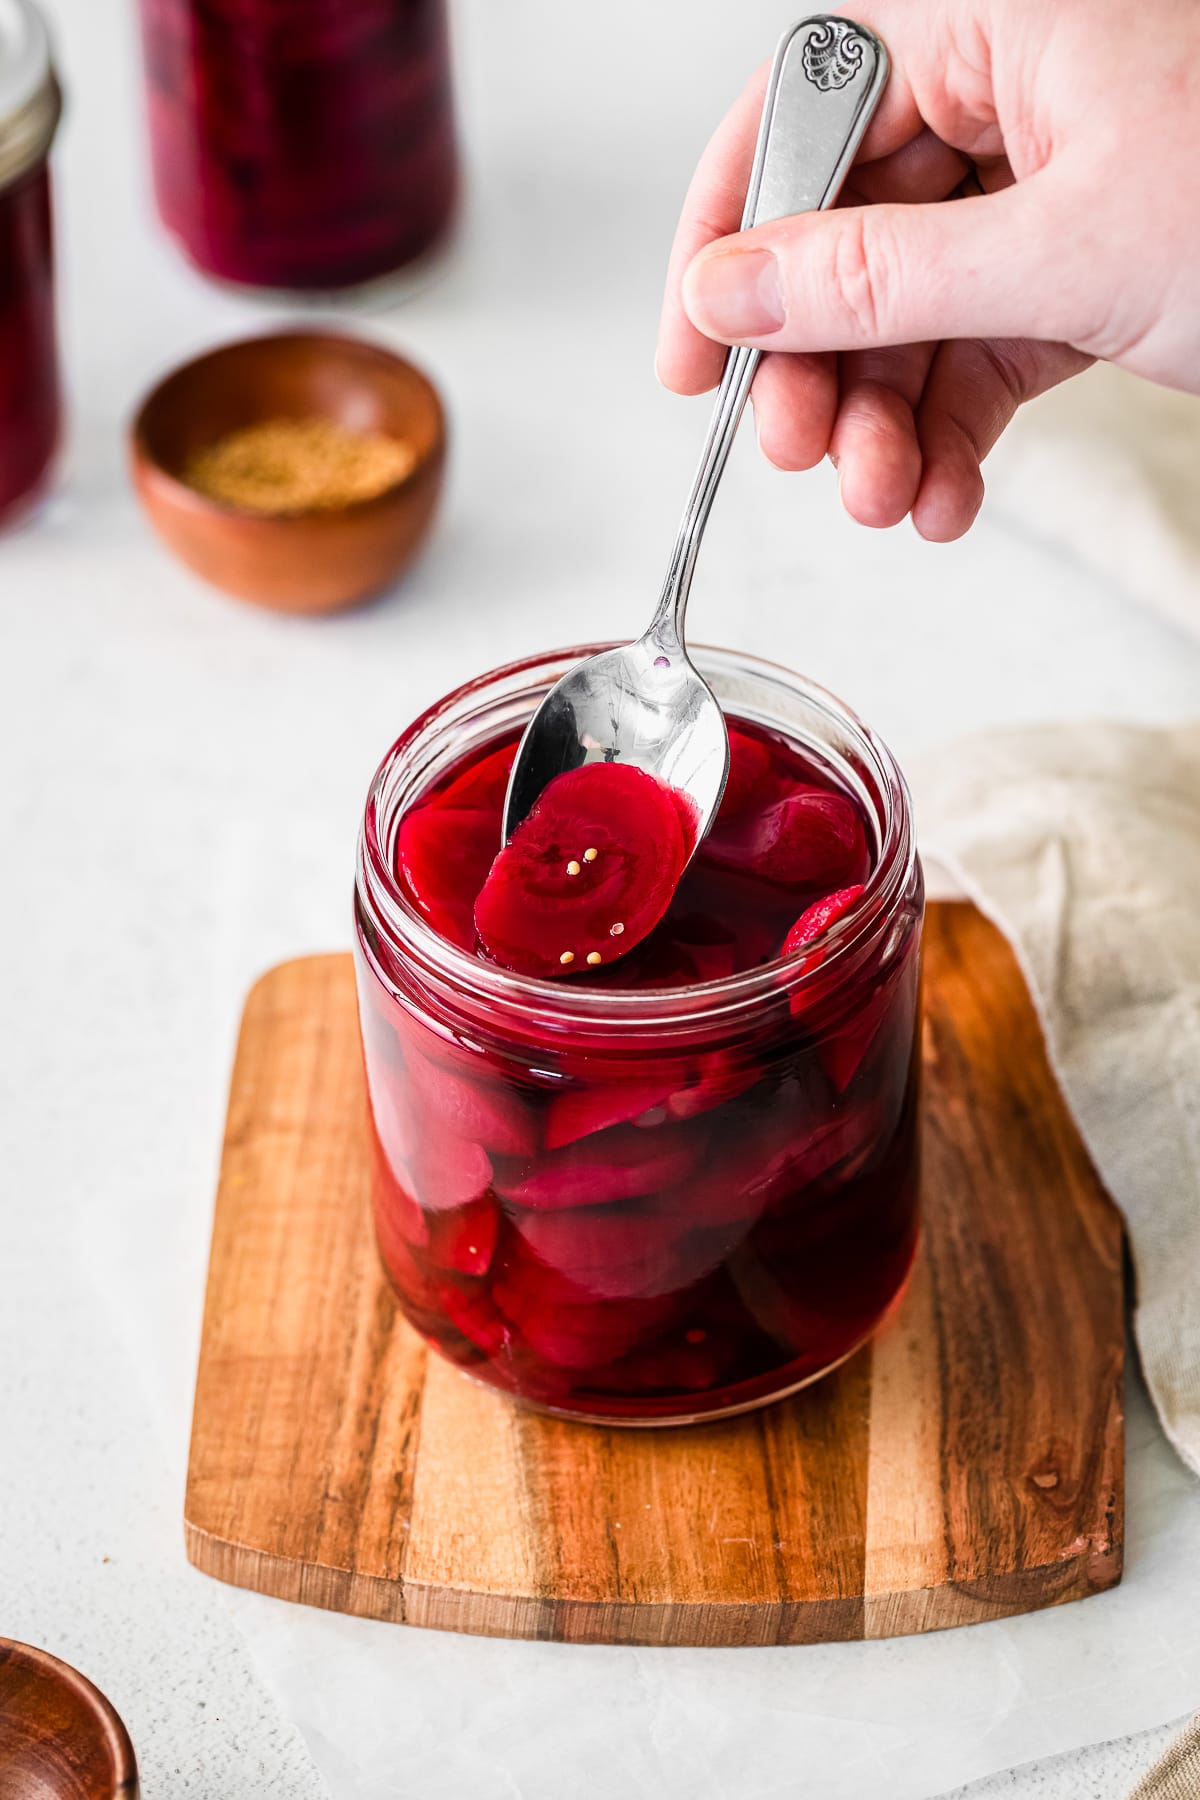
(818, 918)
(808, 839)
(749, 770)
(476, 1316)
(465, 1237)
(533, 910)
(580, 1337)
(811, 924)
(401, 1216)
(420, 1288)
(719, 1077)
(611, 1254)
(799, 1328)
(586, 1110)
(483, 784)
(689, 1362)
(443, 855)
(448, 1170)
(471, 1108)
(609, 1166)
(844, 1053)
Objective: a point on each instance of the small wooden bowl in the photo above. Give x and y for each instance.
(59, 1737)
(302, 562)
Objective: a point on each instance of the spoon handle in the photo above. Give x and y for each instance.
(826, 80)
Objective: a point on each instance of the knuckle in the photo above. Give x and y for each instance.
(1006, 363)
(861, 273)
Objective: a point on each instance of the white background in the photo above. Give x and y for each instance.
(182, 778)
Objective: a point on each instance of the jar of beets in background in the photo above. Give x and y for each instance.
(301, 144)
(663, 1191)
(30, 104)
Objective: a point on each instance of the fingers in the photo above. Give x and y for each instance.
(863, 277)
(971, 394)
(874, 443)
(922, 169)
(686, 360)
(795, 402)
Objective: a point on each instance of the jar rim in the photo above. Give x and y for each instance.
(564, 1004)
(30, 97)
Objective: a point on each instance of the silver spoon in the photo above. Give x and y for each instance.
(646, 703)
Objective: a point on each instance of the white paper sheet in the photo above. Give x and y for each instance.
(389, 1710)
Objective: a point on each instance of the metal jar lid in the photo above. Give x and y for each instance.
(30, 101)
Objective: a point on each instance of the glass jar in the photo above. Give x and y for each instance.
(744, 1212)
(30, 104)
(301, 144)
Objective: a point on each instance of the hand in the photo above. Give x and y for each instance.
(904, 334)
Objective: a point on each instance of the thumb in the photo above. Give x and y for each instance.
(996, 265)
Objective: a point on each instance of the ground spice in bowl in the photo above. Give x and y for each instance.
(298, 465)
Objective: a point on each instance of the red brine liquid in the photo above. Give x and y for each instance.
(658, 1229)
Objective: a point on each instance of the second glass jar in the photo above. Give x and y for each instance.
(29, 381)
(301, 144)
(656, 1206)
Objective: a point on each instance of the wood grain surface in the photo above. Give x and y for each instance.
(965, 1465)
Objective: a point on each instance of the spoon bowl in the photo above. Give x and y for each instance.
(642, 703)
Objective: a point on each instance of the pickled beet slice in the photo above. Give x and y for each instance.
(472, 1108)
(810, 838)
(604, 846)
(693, 1363)
(483, 785)
(449, 1171)
(443, 854)
(476, 1317)
(844, 1053)
(418, 1289)
(775, 1308)
(749, 768)
(720, 1076)
(818, 918)
(397, 1212)
(609, 1166)
(591, 1109)
(464, 1238)
(811, 924)
(580, 1337)
(608, 1256)
(785, 1175)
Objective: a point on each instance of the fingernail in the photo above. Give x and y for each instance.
(734, 294)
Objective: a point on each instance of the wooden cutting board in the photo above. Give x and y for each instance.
(966, 1465)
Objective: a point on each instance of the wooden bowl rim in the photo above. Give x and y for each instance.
(113, 1730)
(182, 494)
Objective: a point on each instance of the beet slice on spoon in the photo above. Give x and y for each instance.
(586, 875)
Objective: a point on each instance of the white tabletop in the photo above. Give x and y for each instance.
(183, 775)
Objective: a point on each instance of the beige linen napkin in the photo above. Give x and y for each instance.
(1176, 1774)
(1083, 843)
(1108, 468)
